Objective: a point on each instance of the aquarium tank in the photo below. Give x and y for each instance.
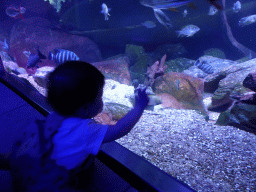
(197, 59)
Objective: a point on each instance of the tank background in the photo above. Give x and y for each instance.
(131, 13)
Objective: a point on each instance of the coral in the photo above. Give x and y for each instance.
(156, 70)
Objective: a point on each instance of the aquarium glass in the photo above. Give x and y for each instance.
(196, 58)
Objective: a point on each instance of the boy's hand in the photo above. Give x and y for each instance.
(141, 98)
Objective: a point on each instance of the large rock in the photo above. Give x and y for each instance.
(115, 69)
(215, 52)
(31, 33)
(217, 64)
(241, 115)
(138, 61)
(179, 65)
(227, 84)
(186, 89)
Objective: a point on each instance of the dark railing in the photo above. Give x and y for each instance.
(138, 172)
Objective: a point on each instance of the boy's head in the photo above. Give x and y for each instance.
(72, 85)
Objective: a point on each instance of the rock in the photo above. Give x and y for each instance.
(217, 64)
(171, 50)
(40, 76)
(179, 65)
(138, 61)
(215, 52)
(168, 101)
(34, 32)
(241, 115)
(250, 81)
(104, 118)
(20, 70)
(117, 69)
(31, 82)
(228, 83)
(186, 89)
(10, 66)
(116, 110)
(115, 92)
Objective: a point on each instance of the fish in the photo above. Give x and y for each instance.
(4, 45)
(34, 59)
(213, 10)
(149, 24)
(188, 31)
(27, 53)
(158, 5)
(250, 55)
(164, 4)
(204, 66)
(237, 6)
(61, 55)
(185, 13)
(15, 12)
(162, 18)
(215, 4)
(247, 20)
(105, 10)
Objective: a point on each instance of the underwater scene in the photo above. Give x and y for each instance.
(196, 57)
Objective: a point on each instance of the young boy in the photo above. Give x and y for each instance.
(69, 138)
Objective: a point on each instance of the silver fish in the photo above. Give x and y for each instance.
(204, 66)
(213, 10)
(149, 24)
(188, 30)
(157, 5)
(60, 56)
(247, 20)
(185, 13)
(105, 10)
(164, 4)
(27, 53)
(237, 6)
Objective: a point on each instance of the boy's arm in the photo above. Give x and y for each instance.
(126, 123)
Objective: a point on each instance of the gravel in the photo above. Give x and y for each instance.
(202, 155)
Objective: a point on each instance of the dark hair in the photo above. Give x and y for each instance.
(72, 85)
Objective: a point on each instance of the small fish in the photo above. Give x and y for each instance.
(34, 59)
(105, 10)
(177, 83)
(158, 5)
(185, 13)
(247, 20)
(250, 55)
(27, 53)
(60, 56)
(188, 31)
(149, 24)
(215, 4)
(204, 66)
(4, 45)
(213, 10)
(237, 6)
(15, 12)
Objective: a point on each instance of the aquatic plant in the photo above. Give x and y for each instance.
(156, 70)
